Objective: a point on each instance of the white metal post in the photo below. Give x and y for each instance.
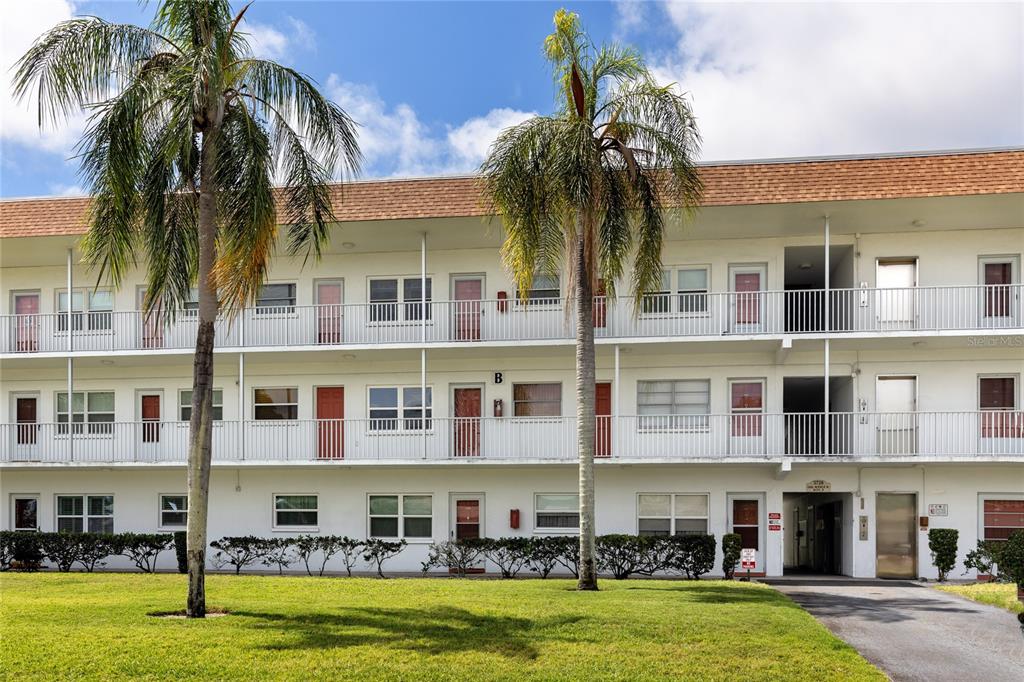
(241, 405)
(616, 422)
(71, 362)
(826, 429)
(423, 341)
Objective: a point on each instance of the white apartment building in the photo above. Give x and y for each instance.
(832, 364)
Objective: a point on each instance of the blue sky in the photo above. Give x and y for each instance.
(433, 82)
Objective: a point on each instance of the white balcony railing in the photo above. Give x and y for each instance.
(716, 436)
(874, 311)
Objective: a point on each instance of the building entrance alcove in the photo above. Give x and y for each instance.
(817, 533)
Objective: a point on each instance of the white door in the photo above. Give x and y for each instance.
(1000, 303)
(896, 296)
(747, 299)
(896, 404)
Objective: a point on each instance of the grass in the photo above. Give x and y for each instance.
(1003, 595)
(95, 626)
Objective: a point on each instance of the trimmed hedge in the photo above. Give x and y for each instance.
(943, 545)
(732, 543)
(24, 550)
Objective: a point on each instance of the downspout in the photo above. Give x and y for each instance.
(616, 422)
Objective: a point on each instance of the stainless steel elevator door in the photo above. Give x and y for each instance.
(896, 535)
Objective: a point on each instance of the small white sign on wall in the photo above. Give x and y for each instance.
(819, 486)
(938, 510)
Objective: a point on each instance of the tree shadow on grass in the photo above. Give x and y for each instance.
(431, 631)
(713, 594)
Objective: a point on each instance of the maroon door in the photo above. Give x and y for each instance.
(466, 429)
(151, 419)
(998, 277)
(747, 400)
(330, 411)
(467, 295)
(26, 334)
(747, 286)
(26, 416)
(328, 316)
(997, 398)
(467, 526)
(603, 410)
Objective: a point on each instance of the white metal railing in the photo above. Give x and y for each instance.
(509, 320)
(536, 438)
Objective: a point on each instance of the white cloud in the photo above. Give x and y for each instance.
(395, 142)
(19, 120)
(273, 42)
(61, 190)
(801, 79)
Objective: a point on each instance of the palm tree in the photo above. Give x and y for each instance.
(585, 190)
(187, 133)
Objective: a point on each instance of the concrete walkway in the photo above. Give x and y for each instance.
(913, 632)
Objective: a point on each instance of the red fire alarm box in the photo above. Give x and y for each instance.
(513, 518)
(502, 302)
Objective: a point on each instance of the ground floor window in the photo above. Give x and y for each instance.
(401, 516)
(1002, 517)
(557, 511)
(672, 514)
(81, 513)
(295, 511)
(173, 511)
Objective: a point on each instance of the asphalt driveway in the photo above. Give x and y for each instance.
(913, 632)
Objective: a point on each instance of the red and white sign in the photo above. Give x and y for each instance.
(774, 516)
(774, 526)
(748, 559)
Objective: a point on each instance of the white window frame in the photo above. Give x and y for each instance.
(537, 528)
(674, 422)
(85, 515)
(161, 524)
(182, 405)
(541, 301)
(401, 516)
(14, 497)
(276, 525)
(274, 388)
(84, 321)
(85, 430)
(673, 293)
(288, 310)
(999, 375)
(546, 418)
(400, 409)
(984, 497)
(401, 304)
(673, 515)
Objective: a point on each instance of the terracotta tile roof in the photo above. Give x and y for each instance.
(726, 184)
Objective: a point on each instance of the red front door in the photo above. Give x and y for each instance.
(26, 416)
(603, 410)
(328, 316)
(151, 418)
(467, 295)
(747, 405)
(26, 335)
(747, 286)
(998, 277)
(466, 429)
(330, 411)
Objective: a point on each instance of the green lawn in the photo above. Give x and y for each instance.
(95, 625)
(1003, 595)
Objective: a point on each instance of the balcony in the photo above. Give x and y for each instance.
(676, 316)
(715, 437)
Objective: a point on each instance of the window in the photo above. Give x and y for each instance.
(276, 403)
(173, 511)
(385, 408)
(295, 511)
(401, 516)
(544, 290)
(746, 404)
(80, 513)
(683, 290)
(557, 511)
(1002, 518)
(682, 404)
(91, 309)
(92, 413)
(537, 400)
(185, 404)
(276, 298)
(398, 299)
(667, 514)
(997, 399)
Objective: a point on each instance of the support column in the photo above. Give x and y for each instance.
(616, 422)
(71, 361)
(241, 404)
(423, 341)
(826, 429)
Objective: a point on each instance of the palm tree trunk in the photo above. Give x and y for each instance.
(585, 412)
(201, 424)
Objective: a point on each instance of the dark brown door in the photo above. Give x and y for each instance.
(997, 399)
(745, 523)
(26, 335)
(27, 418)
(328, 315)
(466, 428)
(151, 418)
(467, 295)
(330, 413)
(26, 513)
(468, 522)
(998, 278)
(603, 410)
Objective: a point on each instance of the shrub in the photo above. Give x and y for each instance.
(278, 552)
(943, 545)
(142, 548)
(544, 555)
(181, 550)
(239, 551)
(378, 551)
(27, 553)
(347, 547)
(567, 552)
(732, 543)
(510, 555)
(93, 548)
(7, 544)
(459, 555)
(690, 555)
(1011, 559)
(62, 549)
(624, 555)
